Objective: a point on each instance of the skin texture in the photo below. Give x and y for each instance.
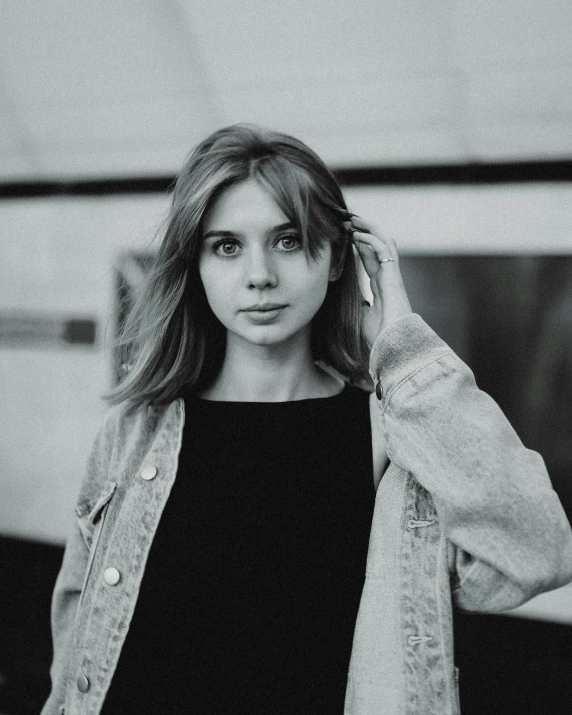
(268, 355)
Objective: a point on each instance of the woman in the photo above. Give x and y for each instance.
(237, 549)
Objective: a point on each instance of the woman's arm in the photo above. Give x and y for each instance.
(509, 536)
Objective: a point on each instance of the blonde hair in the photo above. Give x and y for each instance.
(171, 338)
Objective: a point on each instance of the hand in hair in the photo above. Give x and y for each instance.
(390, 300)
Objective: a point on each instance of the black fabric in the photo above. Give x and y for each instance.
(250, 593)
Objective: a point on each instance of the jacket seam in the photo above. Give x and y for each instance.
(442, 566)
(411, 375)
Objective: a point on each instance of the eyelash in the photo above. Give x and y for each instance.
(226, 241)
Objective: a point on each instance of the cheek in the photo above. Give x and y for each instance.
(312, 285)
(318, 274)
(214, 284)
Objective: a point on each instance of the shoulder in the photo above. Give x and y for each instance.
(125, 431)
(123, 420)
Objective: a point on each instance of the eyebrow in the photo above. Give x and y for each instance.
(232, 234)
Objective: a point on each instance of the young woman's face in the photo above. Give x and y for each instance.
(258, 280)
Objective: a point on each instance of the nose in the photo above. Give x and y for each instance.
(260, 271)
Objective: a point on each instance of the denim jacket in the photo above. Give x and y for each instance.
(464, 514)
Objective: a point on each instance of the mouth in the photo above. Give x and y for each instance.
(265, 314)
(264, 308)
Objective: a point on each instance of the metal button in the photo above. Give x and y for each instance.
(111, 576)
(148, 472)
(378, 390)
(83, 684)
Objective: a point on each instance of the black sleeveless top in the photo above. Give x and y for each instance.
(253, 581)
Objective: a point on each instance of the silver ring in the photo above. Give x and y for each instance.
(385, 260)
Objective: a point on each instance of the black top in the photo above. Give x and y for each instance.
(252, 585)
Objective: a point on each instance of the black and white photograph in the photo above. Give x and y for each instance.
(285, 357)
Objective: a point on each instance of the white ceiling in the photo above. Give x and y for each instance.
(126, 87)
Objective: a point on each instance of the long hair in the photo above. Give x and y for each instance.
(171, 339)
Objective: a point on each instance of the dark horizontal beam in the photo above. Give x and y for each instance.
(475, 173)
(86, 187)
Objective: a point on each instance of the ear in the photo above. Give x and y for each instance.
(337, 266)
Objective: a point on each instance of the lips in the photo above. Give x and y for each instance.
(264, 307)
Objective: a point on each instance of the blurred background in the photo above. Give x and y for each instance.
(447, 123)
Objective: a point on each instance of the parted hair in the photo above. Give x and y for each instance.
(171, 340)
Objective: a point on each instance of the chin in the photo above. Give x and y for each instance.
(266, 335)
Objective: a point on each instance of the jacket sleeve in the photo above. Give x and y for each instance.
(508, 537)
(68, 586)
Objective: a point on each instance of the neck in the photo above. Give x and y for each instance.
(270, 373)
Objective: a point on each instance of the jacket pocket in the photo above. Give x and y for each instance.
(90, 518)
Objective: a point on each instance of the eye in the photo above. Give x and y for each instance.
(290, 242)
(225, 248)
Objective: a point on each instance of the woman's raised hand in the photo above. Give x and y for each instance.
(390, 300)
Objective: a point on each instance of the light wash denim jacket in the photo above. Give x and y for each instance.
(464, 514)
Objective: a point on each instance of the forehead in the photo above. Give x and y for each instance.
(246, 204)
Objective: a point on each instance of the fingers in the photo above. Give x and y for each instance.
(383, 246)
(368, 258)
(373, 247)
(380, 249)
(368, 234)
(367, 226)
(390, 298)
(372, 235)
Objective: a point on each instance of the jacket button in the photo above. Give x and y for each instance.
(378, 390)
(111, 576)
(415, 640)
(148, 472)
(83, 684)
